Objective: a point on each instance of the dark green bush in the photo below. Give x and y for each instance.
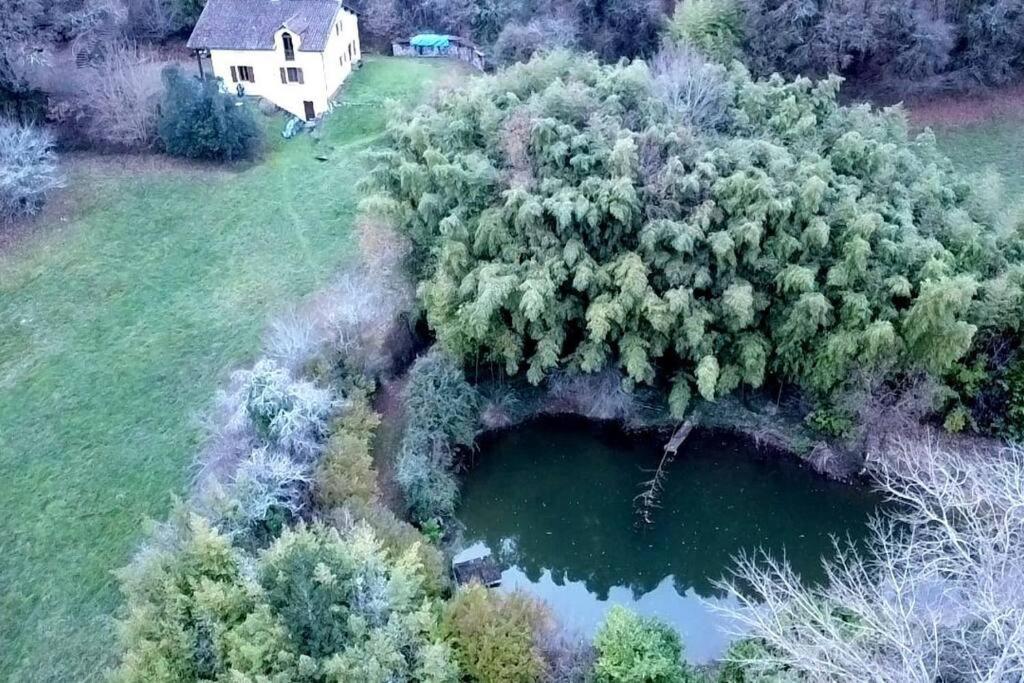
(901, 46)
(198, 121)
(441, 416)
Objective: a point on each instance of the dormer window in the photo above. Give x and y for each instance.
(289, 48)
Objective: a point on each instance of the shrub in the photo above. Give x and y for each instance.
(802, 242)
(635, 649)
(520, 42)
(346, 471)
(1012, 425)
(441, 411)
(288, 413)
(493, 635)
(714, 27)
(695, 91)
(28, 170)
(122, 94)
(397, 535)
(265, 483)
(198, 121)
(184, 581)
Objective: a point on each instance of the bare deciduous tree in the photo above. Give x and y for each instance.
(123, 90)
(694, 90)
(938, 594)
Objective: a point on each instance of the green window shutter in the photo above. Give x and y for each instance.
(234, 75)
(300, 76)
(284, 75)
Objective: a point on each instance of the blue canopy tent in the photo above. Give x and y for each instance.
(433, 40)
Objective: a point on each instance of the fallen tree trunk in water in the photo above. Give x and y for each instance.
(647, 500)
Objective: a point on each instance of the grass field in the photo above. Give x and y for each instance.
(118, 321)
(997, 144)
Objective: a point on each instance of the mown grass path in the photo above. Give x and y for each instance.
(118, 322)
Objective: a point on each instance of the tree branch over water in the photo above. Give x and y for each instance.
(646, 501)
(938, 594)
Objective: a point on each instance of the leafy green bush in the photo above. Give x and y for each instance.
(198, 121)
(561, 222)
(635, 649)
(830, 421)
(494, 634)
(715, 27)
(736, 668)
(442, 411)
(346, 471)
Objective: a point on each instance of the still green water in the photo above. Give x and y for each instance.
(553, 500)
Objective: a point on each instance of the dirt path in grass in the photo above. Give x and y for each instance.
(389, 404)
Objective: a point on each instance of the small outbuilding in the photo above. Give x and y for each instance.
(439, 45)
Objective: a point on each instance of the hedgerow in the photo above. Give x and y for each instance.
(563, 218)
(442, 410)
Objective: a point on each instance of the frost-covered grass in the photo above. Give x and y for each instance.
(118, 322)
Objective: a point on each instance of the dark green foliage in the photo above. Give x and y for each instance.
(736, 670)
(441, 414)
(1013, 383)
(899, 46)
(610, 28)
(715, 27)
(635, 649)
(830, 422)
(560, 222)
(197, 121)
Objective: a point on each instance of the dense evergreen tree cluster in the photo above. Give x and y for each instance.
(564, 217)
(900, 47)
(318, 605)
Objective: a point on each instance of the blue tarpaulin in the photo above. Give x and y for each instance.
(430, 40)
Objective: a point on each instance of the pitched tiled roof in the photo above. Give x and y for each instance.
(251, 24)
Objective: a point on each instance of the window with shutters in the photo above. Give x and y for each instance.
(243, 73)
(291, 75)
(289, 47)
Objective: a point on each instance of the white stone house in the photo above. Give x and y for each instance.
(294, 53)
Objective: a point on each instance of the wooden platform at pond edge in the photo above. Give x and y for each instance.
(482, 570)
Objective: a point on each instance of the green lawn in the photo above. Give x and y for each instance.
(997, 144)
(117, 326)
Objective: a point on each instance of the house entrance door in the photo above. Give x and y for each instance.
(310, 114)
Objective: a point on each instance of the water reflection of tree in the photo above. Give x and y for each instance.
(565, 500)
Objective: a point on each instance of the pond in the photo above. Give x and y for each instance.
(553, 500)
